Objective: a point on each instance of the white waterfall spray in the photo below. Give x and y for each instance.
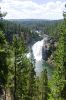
(37, 51)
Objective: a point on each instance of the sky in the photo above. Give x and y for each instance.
(33, 9)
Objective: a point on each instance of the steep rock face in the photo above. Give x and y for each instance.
(47, 49)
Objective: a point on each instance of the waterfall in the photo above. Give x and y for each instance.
(37, 52)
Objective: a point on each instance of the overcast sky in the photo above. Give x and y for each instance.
(33, 9)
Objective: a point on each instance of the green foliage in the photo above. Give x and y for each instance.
(1, 20)
(58, 76)
(22, 77)
(21, 70)
(3, 60)
(2, 40)
(31, 94)
(3, 67)
(64, 30)
(17, 73)
(44, 85)
(31, 83)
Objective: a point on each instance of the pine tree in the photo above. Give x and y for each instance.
(38, 89)
(58, 77)
(1, 20)
(21, 64)
(31, 79)
(44, 85)
(3, 58)
(64, 63)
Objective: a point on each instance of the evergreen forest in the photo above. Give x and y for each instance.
(18, 78)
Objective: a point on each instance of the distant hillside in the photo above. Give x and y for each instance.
(35, 21)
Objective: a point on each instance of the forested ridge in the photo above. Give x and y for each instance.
(18, 79)
(29, 28)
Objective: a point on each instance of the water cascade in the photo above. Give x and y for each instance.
(37, 52)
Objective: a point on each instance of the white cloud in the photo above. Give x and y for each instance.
(24, 9)
(0, 0)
